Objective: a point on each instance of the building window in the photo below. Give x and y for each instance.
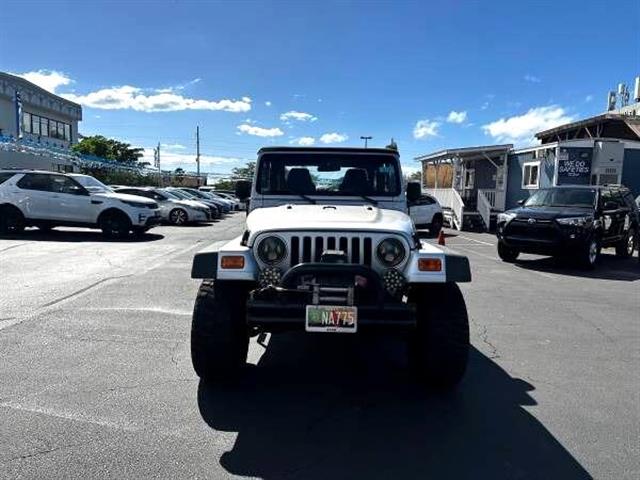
(26, 122)
(46, 127)
(531, 175)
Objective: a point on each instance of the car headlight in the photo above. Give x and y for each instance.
(271, 250)
(390, 252)
(506, 217)
(135, 204)
(575, 221)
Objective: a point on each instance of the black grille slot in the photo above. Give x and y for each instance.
(344, 244)
(306, 249)
(355, 250)
(368, 249)
(319, 248)
(295, 251)
(331, 243)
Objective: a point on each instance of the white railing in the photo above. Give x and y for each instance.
(450, 198)
(496, 198)
(484, 207)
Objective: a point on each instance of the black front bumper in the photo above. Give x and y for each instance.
(284, 307)
(276, 316)
(543, 238)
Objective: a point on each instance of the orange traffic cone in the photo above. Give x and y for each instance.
(441, 238)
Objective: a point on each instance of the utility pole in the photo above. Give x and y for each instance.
(157, 165)
(366, 140)
(198, 150)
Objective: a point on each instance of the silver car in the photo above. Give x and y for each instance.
(172, 209)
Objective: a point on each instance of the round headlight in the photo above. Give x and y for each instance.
(271, 250)
(390, 252)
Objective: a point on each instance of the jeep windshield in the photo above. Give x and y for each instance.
(329, 174)
(562, 197)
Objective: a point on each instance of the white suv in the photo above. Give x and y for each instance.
(48, 199)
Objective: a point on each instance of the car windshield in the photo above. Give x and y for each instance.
(328, 174)
(170, 195)
(181, 195)
(562, 197)
(92, 184)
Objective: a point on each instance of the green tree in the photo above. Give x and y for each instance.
(238, 173)
(109, 148)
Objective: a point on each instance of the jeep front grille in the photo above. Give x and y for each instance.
(309, 248)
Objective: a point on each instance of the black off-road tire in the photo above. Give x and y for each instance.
(115, 224)
(507, 254)
(11, 220)
(439, 348)
(140, 232)
(589, 253)
(628, 243)
(219, 333)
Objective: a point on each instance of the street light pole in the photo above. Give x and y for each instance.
(366, 140)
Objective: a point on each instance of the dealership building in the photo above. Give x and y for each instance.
(474, 184)
(33, 121)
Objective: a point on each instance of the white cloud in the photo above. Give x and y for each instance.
(303, 141)
(588, 98)
(50, 80)
(456, 117)
(173, 146)
(259, 131)
(521, 129)
(334, 137)
(531, 78)
(134, 98)
(172, 160)
(299, 116)
(425, 128)
(268, 103)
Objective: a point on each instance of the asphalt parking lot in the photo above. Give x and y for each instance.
(96, 378)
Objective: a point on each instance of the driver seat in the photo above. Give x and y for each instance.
(299, 181)
(355, 181)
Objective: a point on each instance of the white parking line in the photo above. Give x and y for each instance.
(476, 241)
(489, 257)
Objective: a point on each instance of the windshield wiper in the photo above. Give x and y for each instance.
(369, 199)
(305, 197)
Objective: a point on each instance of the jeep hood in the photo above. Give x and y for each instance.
(329, 218)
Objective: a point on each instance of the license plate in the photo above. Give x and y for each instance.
(331, 318)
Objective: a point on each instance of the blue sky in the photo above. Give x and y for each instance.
(430, 74)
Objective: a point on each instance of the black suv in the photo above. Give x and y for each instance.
(572, 221)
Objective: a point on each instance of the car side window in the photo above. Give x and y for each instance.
(35, 181)
(61, 184)
(610, 196)
(5, 176)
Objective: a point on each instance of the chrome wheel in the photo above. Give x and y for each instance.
(178, 217)
(631, 243)
(593, 252)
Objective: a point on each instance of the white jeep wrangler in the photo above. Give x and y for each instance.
(329, 247)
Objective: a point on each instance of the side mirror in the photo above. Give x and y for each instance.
(75, 190)
(521, 202)
(243, 189)
(610, 206)
(414, 191)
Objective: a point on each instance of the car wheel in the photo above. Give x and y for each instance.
(589, 253)
(115, 225)
(436, 225)
(626, 246)
(219, 334)
(439, 348)
(11, 220)
(178, 216)
(507, 254)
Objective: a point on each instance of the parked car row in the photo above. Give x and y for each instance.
(49, 199)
